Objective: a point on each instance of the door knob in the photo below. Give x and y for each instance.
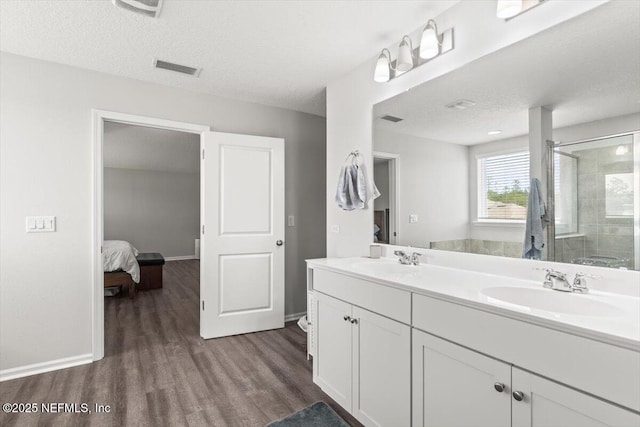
(347, 318)
(499, 387)
(354, 321)
(279, 243)
(518, 395)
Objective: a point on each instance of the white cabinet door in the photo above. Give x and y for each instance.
(332, 361)
(381, 370)
(549, 404)
(454, 386)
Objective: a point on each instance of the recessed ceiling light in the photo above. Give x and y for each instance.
(494, 132)
(461, 104)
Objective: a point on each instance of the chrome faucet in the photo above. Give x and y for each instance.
(558, 281)
(580, 282)
(555, 280)
(413, 259)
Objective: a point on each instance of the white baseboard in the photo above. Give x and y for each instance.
(294, 316)
(39, 368)
(179, 258)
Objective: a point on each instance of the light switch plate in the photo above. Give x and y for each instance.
(413, 218)
(291, 221)
(335, 228)
(41, 224)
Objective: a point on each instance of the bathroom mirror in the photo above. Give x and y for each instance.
(451, 156)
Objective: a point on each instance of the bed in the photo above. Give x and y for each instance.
(120, 265)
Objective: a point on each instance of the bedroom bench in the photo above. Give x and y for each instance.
(150, 270)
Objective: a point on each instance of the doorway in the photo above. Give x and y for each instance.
(385, 209)
(100, 119)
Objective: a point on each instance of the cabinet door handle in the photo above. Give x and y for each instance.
(518, 395)
(499, 387)
(354, 321)
(347, 318)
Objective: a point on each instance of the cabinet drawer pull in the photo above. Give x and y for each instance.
(518, 395)
(499, 387)
(347, 318)
(354, 321)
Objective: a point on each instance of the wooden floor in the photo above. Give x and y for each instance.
(157, 371)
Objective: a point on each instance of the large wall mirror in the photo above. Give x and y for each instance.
(451, 157)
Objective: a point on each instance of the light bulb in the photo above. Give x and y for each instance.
(429, 44)
(405, 56)
(382, 73)
(508, 8)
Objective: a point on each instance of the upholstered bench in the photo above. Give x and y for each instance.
(150, 270)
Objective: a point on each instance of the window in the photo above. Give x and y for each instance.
(503, 187)
(619, 195)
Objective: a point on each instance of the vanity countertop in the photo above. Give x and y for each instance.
(612, 318)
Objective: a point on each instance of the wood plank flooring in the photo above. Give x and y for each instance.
(157, 371)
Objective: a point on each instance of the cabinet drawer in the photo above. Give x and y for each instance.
(385, 300)
(568, 359)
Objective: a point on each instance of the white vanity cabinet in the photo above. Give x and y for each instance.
(455, 386)
(393, 355)
(363, 362)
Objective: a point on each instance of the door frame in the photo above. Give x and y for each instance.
(394, 193)
(99, 117)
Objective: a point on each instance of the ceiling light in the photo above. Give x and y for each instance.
(405, 55)
(461, 104)
(494, 132)
(621, 150)
(383, 67)
(430, 41)
(144, 7)
(508, 8)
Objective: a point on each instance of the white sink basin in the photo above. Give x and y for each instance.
(549, 300)
(384, 268)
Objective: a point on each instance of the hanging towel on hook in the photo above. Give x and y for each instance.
(536, 221)
(355, 188)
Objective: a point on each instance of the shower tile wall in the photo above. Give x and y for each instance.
(610, 237)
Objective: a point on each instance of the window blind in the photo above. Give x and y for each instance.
(503, 186)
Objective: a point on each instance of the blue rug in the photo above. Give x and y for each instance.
(317, 415)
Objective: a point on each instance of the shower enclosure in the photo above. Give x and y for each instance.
(593, 189)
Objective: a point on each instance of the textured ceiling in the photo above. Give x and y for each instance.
(585, 69)
(280, 53)
(144, 148)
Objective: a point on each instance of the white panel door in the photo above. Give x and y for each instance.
(548, 404)
(381, 370)
(242, 252)
(332, 361)
(453, 386)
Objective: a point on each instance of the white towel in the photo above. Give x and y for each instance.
(536, 221)
(354, 189)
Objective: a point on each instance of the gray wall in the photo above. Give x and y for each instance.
(46, 169)
(155, 211)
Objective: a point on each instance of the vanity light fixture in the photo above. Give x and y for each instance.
(432, 45)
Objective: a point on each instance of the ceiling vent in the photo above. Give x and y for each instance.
(391, 119)
(461, 104)
(144, 7)
(164, 65)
